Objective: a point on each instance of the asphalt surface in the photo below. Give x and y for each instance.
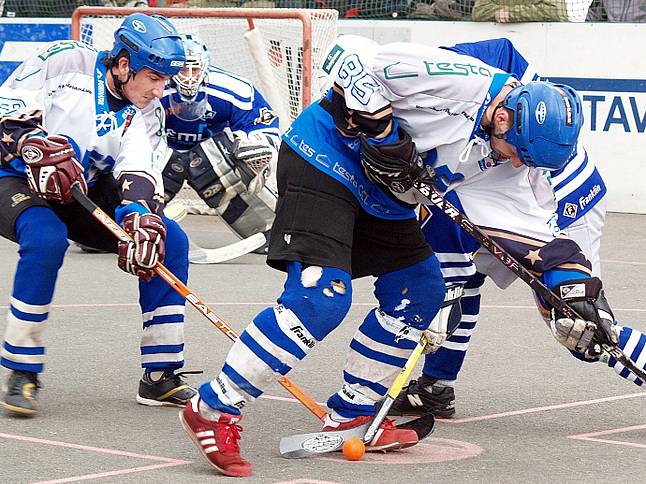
(526, 410)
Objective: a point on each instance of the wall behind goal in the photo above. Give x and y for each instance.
(603, 61)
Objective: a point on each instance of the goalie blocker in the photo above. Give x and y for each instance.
(229, 173)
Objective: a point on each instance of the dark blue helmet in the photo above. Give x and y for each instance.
(151, 41)
(547, 121)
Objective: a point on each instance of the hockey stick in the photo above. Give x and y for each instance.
(311, 444)
(198, 255)
(187, 294)
(432, 195)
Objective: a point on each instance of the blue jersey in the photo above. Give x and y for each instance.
(577, 186)
(225, 100)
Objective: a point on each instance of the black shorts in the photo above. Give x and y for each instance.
(320, 222)
(16, 197)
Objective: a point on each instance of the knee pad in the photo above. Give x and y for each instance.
(174, 174)
(412, 295)
(320, 297)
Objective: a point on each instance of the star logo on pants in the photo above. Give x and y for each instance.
(533, 256)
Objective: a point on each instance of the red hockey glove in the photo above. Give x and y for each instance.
(52, 168)
(147, 247)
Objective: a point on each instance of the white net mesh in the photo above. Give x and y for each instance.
(278, 56)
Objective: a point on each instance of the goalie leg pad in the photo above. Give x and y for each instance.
(314, 302)
(212, 175)
(174, 174)
(249, 213)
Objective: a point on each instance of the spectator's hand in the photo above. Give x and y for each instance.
(502, 16)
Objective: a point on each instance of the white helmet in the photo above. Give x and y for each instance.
(196, 68)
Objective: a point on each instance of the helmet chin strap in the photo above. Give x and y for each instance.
(118, 85)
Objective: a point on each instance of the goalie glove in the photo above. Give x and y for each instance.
(397, 166)
(586, 298)
(147, 247)
(256, 150)
(52, 168)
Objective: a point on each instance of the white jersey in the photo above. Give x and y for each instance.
(67, 83)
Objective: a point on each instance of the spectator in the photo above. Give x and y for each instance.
(443, 10)
(504, 11)
(625, 10)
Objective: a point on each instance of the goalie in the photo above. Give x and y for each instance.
(224, 138)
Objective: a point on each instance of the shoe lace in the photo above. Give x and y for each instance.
(178, 377)
(230, 433)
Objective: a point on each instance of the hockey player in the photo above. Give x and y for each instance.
(224, 139)
(72, 115)
(337, 219)
(579, 191)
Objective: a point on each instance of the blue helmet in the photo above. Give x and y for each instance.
(151, 41)
(547, 121)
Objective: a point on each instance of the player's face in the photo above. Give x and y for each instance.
(145, 86)
(503, 151)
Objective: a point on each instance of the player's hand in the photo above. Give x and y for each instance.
(396, 166)
(52, 168)
(575, 334)
(596, 325)
(253, 149)
(147, 247)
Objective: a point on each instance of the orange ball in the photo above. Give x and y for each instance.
(353, 449)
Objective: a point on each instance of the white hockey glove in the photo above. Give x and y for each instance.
(256, 150)
(586, 297)
(446, 320)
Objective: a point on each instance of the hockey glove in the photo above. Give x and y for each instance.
(397, 166)
(256, 151)
(147, 247)
(585, 297)
(52, 168)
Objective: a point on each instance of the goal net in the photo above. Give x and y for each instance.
(278, 50)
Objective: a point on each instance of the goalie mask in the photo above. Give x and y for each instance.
(196, 68)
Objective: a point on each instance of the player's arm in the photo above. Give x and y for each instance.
(563, 267)
(138, 172)
(360, 108)
(48, 160)
(254, 126)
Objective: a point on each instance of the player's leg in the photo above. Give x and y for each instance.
(433, 392)
(42, 240)
(311, 240)
(409, 298)
(162, 308)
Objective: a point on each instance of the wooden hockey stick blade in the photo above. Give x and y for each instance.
(395, 389)
(315, 443)
(433, 196)
(198, 255)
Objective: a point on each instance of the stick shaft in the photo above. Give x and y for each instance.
(395, 389)
(187, 294)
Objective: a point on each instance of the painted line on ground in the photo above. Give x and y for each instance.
(592, 437)
(164, 461)
(268, 304)
(542, 409)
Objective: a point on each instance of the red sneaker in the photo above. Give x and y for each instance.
(388, 437)
(217, 440)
